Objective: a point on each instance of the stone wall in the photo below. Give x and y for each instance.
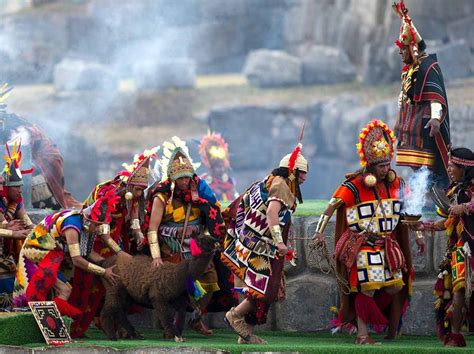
(331, 133)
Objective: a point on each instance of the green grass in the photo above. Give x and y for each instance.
(277, 341)
(310, 207)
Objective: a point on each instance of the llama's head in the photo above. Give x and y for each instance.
(204, 244)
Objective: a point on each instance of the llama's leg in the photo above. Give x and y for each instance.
(122, 318)
(110, 312)
(165, 314)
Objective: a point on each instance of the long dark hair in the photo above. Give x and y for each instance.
(466, 154)
(283, 172)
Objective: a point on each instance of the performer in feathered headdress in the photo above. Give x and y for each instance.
(214, 154)
(422, 127)
(14, 221)
(61, 239)
(255, 246)
(181, 207)
(455, 303)
(371, 246)
(126, 221)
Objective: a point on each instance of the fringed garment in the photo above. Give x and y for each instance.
(44, 257)
(455, 270)
(204, 214)
(88, 290)
(422, 84)
(372, 252)
(249, 250)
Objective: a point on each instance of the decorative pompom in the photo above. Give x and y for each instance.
(195, 249)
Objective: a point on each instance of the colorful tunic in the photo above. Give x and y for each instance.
(372, 249)
(453, 275)
(9, 248)
(421, 85)
(224, 187)
(42, 256)
(376, 212)
(249, 250)
(88, 290)
(175, 246)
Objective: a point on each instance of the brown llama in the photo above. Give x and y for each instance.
(162, 288)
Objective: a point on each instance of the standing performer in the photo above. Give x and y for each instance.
(371, 246)
(61, 239)
(256, 243)
(128, 186)
(215, 157)
(179, 208)
(454, 285)
(422, 127)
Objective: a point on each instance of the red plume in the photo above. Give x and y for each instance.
(294, 157)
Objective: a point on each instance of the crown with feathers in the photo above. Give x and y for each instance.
(213, 148)
(175, 161)
(12, 173)
(136, 174)
(376, 142)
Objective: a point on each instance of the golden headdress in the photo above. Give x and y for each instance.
(409, 35)
(176, 161)
(137, 173)
(213, 148)
(376, 143)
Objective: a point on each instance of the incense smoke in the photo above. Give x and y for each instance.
(419, 185)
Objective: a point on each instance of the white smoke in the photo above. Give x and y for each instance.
(419, 185)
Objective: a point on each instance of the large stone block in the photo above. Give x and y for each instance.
(307, 303)
(420, 316)
(165, 74)
(455, 60)
(326, 65)
(423, 264)
(316, 262)
(252, 145)
(462, 29)
(74, 74)
(272, 68)
(296, 241)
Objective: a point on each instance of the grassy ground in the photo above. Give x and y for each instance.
(278, 342)
(310, 207)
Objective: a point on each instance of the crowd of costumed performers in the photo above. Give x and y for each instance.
(163, 214)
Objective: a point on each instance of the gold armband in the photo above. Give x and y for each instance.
(322, 223)
(74, 250)
(135, 224)
(95, 269)
(104, 229)
(3, 224)
(336, 202)
(112, 245)
(153, 243)
(6, 233)
(275, 230)
(26, 219)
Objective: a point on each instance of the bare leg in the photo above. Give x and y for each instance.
(362, 329)
(244, 308)
(458, 305)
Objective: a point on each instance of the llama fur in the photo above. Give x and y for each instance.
(162, 288)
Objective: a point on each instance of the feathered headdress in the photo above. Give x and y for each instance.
(176, 161)
(213, 148)
(376, 143)
(101, 211)
(137, 173)
(409, 36)
(11, 171)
